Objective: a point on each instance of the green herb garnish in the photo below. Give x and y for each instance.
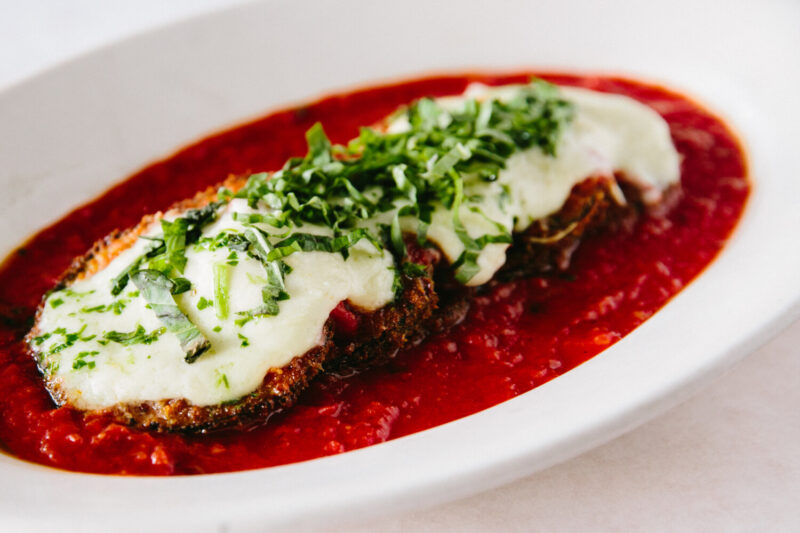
(116, 307)
(81, 362)
(180, 285)
(77, 294)
(413, 270)
(274, 290)
(222, 380)
(412, 172)
(69, 339)
(156, 289)
(119, 283)
(175, 242)
(222, 278)
(247, 316)
(166, 253)
(137, 336)
(245, 340)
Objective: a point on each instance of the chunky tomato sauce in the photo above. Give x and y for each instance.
(516, 337)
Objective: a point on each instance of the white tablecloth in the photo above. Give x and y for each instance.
(728, 459)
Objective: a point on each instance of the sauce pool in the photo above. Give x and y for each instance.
(516, 336)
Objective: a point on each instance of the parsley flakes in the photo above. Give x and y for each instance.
(81, 362)
(245, 340)
(137, 336)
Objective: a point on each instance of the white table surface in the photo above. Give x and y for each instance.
(726, 460)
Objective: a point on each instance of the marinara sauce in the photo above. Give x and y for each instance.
(516, 337)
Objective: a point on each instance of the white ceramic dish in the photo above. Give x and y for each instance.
(68, 134)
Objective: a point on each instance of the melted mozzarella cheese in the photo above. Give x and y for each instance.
(609, 133)
(240, 356)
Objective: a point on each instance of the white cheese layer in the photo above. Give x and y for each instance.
(609, 133)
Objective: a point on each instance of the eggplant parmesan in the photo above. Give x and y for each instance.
(221, 310)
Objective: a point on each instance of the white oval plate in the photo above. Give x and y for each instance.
(68, 134)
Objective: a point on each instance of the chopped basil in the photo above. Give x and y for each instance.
(277, 220)
(175, 242)
(413, 270)
(417, 169)
(181, 285)
(274, 290)
(197, 218)
(306, 242)
(224, 193)
(396, 236)
(466, 265)
(245, 340)
(137, 336)
(41, 338)
(247, 316)
(76, 294)
(121, 280)
(409, 269)
(116, 307)
(69, 339)
(52, 367)
(166, 253)
(222, 380)
(256, 280)
(156, 289)
(56, 302)
(81, 362)
(228, 239)
(203, 303)
(222, 279)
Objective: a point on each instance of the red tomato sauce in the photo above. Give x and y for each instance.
(516, 337)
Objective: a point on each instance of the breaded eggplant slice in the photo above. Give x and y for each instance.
(429, 301)
(377, 331)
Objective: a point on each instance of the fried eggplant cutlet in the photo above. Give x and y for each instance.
(221, 311)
